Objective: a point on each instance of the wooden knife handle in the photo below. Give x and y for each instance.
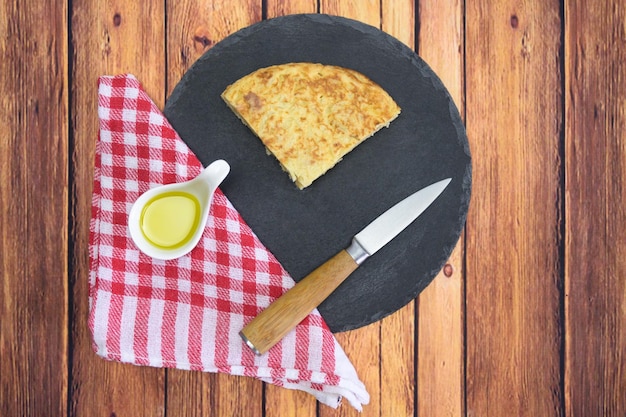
(273, 323)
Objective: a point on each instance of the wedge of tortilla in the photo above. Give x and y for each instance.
(308, 115)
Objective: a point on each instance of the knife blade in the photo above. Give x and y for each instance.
(280, 317)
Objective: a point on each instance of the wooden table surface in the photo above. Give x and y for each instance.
(527, 318)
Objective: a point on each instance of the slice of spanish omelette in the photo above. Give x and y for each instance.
(308, 115)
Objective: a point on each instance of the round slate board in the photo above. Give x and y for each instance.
(303, 228)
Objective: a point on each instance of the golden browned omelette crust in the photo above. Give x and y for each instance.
(310, 115)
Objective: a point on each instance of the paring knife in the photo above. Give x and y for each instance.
(273, 323)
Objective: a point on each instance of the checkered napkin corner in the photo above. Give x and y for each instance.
(186, 313)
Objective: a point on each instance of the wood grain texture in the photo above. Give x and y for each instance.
(595, 250)
(513, 277)
(275, 8)
(108, 38)
(397, 331)
(545, 263)
(193, 27)
(366, 11)
(34, 207)
(190, 394)
(361, 345)
(440, 338)
(279, 401)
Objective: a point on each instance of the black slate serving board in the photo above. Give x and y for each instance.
(303, 228)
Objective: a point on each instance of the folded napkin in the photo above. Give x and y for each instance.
(186, 313)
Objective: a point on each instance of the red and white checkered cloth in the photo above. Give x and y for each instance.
(186, 313)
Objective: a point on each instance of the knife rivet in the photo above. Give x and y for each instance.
(448, 270)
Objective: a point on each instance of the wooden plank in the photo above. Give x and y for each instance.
(193, 28)
(366, 11)
(362, 348)
(513, 272)
(34, 207)
(191, 393)
(440, 357)
(108, 38)
(397, 340)
(361, 345)
(284, 402)
(275, 8)
(595, 172)
(279, 401)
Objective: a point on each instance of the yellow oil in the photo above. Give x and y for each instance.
(169, 220)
